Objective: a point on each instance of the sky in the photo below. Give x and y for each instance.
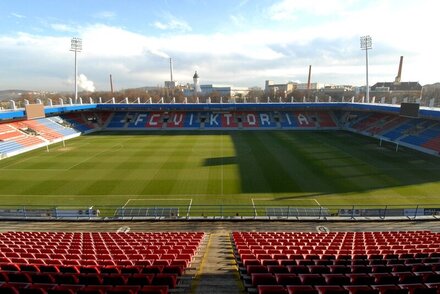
(234, 42)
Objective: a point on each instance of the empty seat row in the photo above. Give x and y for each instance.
(322, 269)
(176, 267)
(338, 260)
(342, 279)
(24, 288)
(168, 279)
(353, 289)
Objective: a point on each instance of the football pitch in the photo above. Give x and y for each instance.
(261, 168)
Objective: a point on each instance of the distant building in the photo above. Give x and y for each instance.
(393, 89)
(222, 90)
(313, 86)
(171, 84)
(205, 90)
(337, 88)
(271, 88)
(196, 80)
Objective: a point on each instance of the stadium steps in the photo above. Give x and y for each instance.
(218, 272)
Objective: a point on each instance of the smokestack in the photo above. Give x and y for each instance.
(171, 69)
(399, 73)
(111, 83)
(309, 78)
(308, 81)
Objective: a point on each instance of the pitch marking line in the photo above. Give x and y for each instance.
(120, 146)
(158, 199)
(265, 199)
(189, 208)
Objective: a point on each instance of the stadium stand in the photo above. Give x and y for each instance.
(53, 262)
(421, 133)
(21, 136)
(222, 120)
(86, 122)
(339, 262)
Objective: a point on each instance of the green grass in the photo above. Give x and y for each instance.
(228, 168)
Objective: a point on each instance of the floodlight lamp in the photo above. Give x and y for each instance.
(76, 44)
(366, 42)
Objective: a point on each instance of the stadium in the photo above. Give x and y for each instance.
(220, 198)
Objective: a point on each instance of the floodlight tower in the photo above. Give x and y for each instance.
(76, 46)
(366, 44)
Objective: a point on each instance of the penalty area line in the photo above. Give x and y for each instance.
(189, 208)
(267, 199)
(158, 199)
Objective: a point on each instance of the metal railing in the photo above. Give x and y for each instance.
(224, 212)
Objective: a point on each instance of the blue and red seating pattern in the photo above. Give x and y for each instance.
(340, 262)
(221, 120)
(53, 262)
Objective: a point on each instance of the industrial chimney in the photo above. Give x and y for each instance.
(308, 81)
(399, 73)
(111, 83)
(171, 70)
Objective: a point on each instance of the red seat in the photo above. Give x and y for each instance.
(287, 279)
(286, 262)
(153, 289)
(318, 269)
(336, 279)
(164, 262)
(250, 269)
(298, 269)
(109, 270)
(384, 278)
(263, 279)
(18, 277)
(271, 289)
(389, 289)
(152, 269)
(42, 278)
(361, 289)
(129, 269)
(409, 278)
(360, 279)
(114, 279)
(360, 269)
(70, 279)
(311, 279)
(331, 290)
(90, 279)
(339, 269)
(301, 289)
(277, 269)
(417, 288)
(173, 269)
(169, 280)
(88, 269)
(247, 262)
(140, 279)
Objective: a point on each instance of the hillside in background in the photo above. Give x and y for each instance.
(6, 95)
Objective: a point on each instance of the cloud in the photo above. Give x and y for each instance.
(158, 53)
(290, 9)
(85, 83)
(237, 19)
(171, 23)
(60, 27)
(17, 15)
(245, 56)
(105, 15)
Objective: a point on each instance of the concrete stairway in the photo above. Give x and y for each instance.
(218, 270)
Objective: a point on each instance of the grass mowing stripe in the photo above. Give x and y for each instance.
(338, 166)
(277, 175)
